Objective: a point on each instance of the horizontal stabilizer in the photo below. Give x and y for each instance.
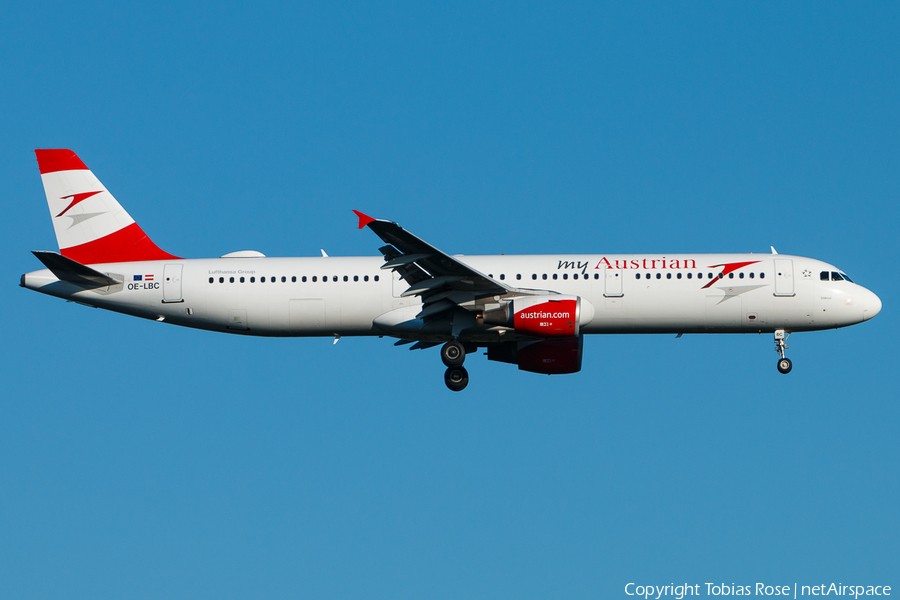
(69, 270)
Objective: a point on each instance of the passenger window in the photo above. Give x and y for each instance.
(690, 275)
(544, 276)
(346, 278)
(741, 275)
(335, 278)
(518, 276)
(752, 275)
(721, 275)
(210, 279)
(242, 280)
(356, 278)
(668, 276)
(283, 279)
(231, 280)
(303, 279)
(637, 275)
(554, 276)
(710, 275)
(253, 280)
(365, 277)
(565, 275)
(575, 276)
(678, 275)
(762, 275)
(534, 275)
(314, 279)
(647, 276)
(596, 275)
(659, 275)
(262, 279)
(731, 276)
(293, 279)
(502, 276)
(221, 280)
(375, 278)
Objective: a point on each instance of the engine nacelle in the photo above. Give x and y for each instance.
(549, 316)
(549, 357)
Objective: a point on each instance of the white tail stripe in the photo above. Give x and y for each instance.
(95, 216)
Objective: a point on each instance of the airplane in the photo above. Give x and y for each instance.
(530, 311)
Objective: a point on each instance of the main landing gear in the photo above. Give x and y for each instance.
(456, 377)
(784, 364)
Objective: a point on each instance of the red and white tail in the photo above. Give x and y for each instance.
(91, 226)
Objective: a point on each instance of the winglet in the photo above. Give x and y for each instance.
(363, 219)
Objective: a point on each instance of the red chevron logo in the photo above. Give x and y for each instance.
(726, 269)
(76, 198)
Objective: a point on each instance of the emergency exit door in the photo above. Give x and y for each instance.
(613, 284)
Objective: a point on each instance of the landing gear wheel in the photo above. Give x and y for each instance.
(784, 365)
(456, 378)
(453, 354)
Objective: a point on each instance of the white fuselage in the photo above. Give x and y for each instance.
(353, 296)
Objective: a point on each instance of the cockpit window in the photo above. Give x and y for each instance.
(844, 275)
(823, 275)
(835, 276)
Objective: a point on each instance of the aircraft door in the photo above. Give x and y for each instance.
(613, 284)
(172, 283)
(784, 277)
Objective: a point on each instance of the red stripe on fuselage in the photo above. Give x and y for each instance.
(51, 161)
(128, 244)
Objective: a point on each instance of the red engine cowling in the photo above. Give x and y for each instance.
(550, 357)
(544, 316)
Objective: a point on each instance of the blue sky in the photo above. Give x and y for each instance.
(141, 460)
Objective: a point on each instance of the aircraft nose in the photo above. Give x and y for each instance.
(871, 305)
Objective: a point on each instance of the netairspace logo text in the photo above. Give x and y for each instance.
(760, 589)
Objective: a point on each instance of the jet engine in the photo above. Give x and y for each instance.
(557, 356)
(550, 316)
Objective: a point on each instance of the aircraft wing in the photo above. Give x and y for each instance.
(430, 273)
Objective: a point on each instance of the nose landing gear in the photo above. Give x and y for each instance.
(784, 363)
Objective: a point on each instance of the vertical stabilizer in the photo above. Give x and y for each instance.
(90, 225)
